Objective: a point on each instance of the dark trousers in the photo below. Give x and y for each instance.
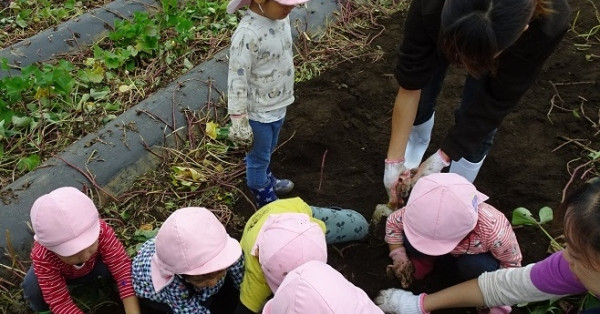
(428, 102)
(33, 292)
(469, 266)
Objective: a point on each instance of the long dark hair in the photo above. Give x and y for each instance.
(474, 32)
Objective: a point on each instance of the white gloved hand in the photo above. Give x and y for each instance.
(398, 301)
(395, 179)
(434, 164)
(240, 131)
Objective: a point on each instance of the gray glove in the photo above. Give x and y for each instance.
(240, 131)
(398, 301)
(434, 164)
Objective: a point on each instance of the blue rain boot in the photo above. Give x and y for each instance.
(281, 186)
(264, 195)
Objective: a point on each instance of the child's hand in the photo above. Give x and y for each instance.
(240, 131)
(402, 268)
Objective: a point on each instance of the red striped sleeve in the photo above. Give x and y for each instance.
(394, 227)
(499, 237)
(114, 256)
(47, 269)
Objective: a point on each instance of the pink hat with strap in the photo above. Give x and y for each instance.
(234, 5)
(286, 241)
(191, 241)
(442, 209)
(65, 221)
(316, 287)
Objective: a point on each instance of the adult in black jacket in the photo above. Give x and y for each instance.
(501, 43)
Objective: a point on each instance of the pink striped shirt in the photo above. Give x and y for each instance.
(492, 233)
(52, 273)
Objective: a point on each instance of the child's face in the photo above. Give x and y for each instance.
(82, 256)
(206, 280)
(590, 278)
(271, 9)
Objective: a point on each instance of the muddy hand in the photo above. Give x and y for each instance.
(402, 268)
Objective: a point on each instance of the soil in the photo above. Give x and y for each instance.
(336, 135)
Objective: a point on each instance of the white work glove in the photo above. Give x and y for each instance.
(398, 301)
(434, 164)
(240, 131)
(396, 179)
(402, 268)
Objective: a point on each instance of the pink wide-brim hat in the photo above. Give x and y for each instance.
(65, 221)
(192, 241)
(315, 287)
(286, 241)
(442, 209)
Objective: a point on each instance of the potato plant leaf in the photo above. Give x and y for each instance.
(522, 217)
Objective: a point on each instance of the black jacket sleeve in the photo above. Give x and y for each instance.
(418, 51)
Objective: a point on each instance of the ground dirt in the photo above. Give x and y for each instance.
(336, 135)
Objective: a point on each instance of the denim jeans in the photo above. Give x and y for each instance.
(33, 293)
(428, 102)
(266, 136)
(469, 266)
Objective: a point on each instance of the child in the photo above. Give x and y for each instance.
(445, 214)
(260, 87)
(283, 235)
(575, 270)
(183, 269)
(315, 287)
(73, 246)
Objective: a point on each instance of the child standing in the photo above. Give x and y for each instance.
(285, 234)
(445, 214)
(73, 246)
(183, 269)
(315, 287)
(260, 87)
(575, 270)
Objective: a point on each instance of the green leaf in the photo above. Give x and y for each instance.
(29, 163)
(522, 217)
(94, 75)
(21, 22)
(546, 214)
(98, 95)
(20, 122)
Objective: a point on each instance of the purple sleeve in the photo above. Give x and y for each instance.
(553, 275)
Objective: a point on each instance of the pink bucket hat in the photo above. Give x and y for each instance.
(191, 241)
(65, 221)
(316, 287)
(234, 5)
(441, 210)
(286, 241)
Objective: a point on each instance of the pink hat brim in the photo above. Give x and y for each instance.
(230, 254)
(77, 244)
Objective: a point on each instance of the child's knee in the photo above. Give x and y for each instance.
(342, 224)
